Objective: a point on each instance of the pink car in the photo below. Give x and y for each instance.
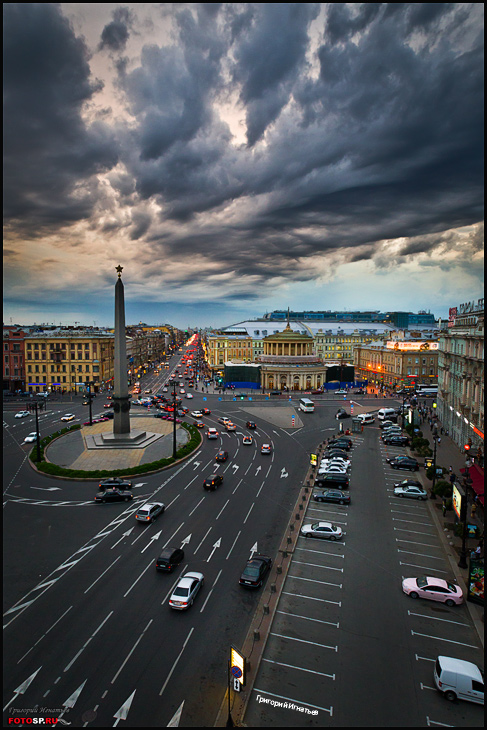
(436, 589)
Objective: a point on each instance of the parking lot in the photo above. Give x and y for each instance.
(347, 647)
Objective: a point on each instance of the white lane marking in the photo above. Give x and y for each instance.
(175, 663)
(101, 576)
(195, 508)
(435, 618)
(210, 592)
(202, 541)
(87, 642)
(239, 532)
(311, 598)
(45, 634)
(132, 651)
(218, 515)
(250, 510)
(137, 579)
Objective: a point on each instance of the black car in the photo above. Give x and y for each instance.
(114, 495)
(250, 424)
(330, 453)
(332, 495)
(213, 482)
(346, 445)
(403, 462)
(387, 423)
(342, 413)
(169, 559)
(205, 411)
(409, 483)
(221, 456)
(114, 482)
(255, 571)
(396, 440)
(275, 392)
(360, 391)
(335, 481)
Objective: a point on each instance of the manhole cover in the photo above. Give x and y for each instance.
(88, 716)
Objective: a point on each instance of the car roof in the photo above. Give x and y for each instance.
(148, 505)
(461, 666)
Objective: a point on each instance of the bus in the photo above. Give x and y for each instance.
(426, 390)
(306, 405)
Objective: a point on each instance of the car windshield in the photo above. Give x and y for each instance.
(251, 571)
(451, 586)
(180, 591)
(421, 582)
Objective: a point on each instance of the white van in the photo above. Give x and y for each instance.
(365, 417)
(385, 413)
(458, 678)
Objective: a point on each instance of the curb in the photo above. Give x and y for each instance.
(263, 618)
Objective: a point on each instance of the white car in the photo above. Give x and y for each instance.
(332, 470)
(223, 420)
(325, 530)
(266, 449)
(68, 417)
(197, 414)
(212, 433)
(164, 390)
(366, 417)
(22, 414)
(344, 463)
(186, 590)
(189, 395)
(230, 426)
(31, 437)
(182, 391)
(341, 391)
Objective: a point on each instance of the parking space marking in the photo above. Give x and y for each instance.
(291, 699)
(435, 618)
(321, 552)
(315, 565)
(440, 638)
(312, 580)
(421, 555)
(432, 722)
(307, 618)
(300, 669)
(413, 532)
(303, 641)
(412, 522)
(423, 567)
(311, 598)
(426, 544)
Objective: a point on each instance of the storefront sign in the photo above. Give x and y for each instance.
(411, 346)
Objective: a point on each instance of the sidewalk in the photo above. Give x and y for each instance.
(448, 454)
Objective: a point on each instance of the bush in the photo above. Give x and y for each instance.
(443, 489)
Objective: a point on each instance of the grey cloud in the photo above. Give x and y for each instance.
(50, 154)
(115, 34)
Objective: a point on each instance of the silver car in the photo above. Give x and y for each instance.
(184, 594)
(410, 490)
(149, 511)
(324, 530)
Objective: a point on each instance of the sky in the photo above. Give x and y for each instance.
(237, 158)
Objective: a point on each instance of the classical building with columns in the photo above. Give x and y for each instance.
(288, 362)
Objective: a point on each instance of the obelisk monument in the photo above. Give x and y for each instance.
(120, 397)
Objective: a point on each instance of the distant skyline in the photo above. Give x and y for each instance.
(340, 169)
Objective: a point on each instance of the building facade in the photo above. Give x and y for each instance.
(397, 363)
(13, 358)
(224, 347)
(63, 361)
(338, 346)
(461, 374)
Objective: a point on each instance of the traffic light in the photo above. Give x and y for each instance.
(467, 447)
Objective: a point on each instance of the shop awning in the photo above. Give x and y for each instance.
(476, 474)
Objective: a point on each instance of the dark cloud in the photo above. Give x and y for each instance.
(115, 35)
(363, 123)
(50, 154)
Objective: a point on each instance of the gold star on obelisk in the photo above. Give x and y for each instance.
(119, 269)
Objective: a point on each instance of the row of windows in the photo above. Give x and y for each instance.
(62, 368)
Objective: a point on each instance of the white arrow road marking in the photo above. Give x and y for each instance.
(47, 489)
(122, 713)
(125, 534)
(253, 550)
(174, 721)
(196, 464)
(258, 470)
(236, 467)
(140, 484)
(70, 702)
(215, 546)
(185, 542)
(284, 474)
(22, 687)
(154, 537)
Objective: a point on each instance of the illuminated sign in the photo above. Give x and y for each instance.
(411, 346)
(457, 500)
(313, 460)
(237, 665)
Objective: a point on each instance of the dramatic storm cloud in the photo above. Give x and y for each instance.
(252, 153)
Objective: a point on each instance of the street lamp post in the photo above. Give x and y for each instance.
(462, 563)
(38, 437)
(432, 495)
